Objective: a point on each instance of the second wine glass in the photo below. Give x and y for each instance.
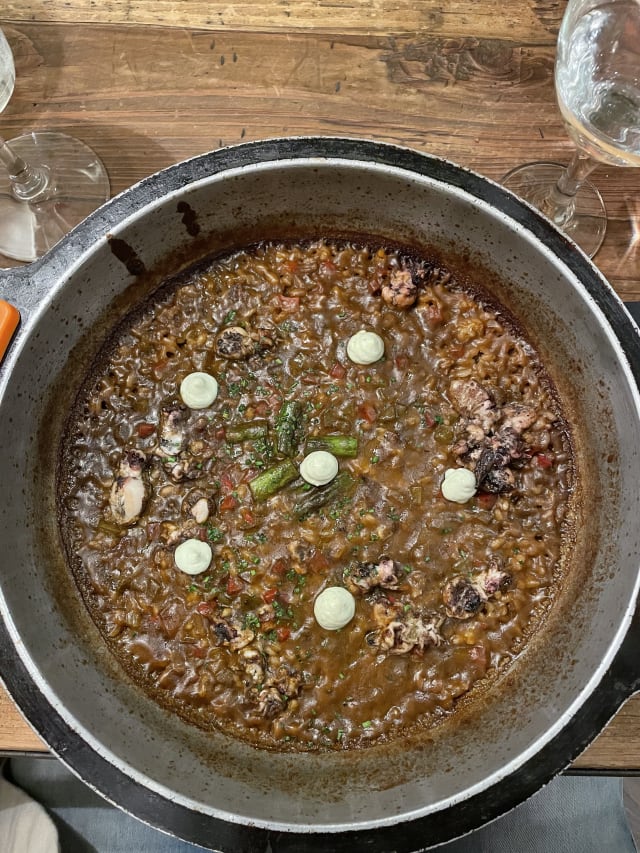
(597, 75)
(49, 182)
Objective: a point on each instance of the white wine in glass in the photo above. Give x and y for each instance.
(597, 76)
(49, 182)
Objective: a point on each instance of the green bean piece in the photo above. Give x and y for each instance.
(288, 424)
(340, 445)
(273, 479)
(342, 486)
(246, 431)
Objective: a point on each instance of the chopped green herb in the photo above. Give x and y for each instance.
(251, 621)
(281, 612)
(214, 534)
(367, 724)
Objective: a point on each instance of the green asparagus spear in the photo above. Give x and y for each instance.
(339, 445)
(246, 430)
(288, 426)
(341, 487)
(273, 479)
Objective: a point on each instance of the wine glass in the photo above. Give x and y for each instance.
(49, 182)
(597, 76)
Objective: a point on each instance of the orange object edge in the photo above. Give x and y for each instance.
(9, 320)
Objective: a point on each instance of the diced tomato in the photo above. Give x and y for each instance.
(262, 408)
(226, 484)
(289, 303)
(269, 595)
(429, 421)
(327, 269)
(283, 634)
(220, 433)
(280, 566)
(338, 371)
(234, 585)
(205, 608)
(228, 503)
(368, 413)
(145, 430)
(247, 516)
(486, 500)
(402, 362)
(318, 562)
(543, 460)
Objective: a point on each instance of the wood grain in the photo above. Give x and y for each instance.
(495, 18)
(148, 83)
(146, 97)
(15, 734)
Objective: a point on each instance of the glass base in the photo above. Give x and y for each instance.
(587, 221)
(77, 185)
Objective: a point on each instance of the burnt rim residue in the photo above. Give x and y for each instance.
(189, 218)
(127, 255)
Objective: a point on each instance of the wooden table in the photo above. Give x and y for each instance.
(150, 82)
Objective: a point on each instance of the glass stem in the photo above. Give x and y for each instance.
(28, 183)
(559, 204)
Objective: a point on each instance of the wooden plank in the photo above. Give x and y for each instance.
(490, 18)
(15, 734)
(487, 104)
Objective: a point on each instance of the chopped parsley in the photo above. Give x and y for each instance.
(251, 621)
(214, 534)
